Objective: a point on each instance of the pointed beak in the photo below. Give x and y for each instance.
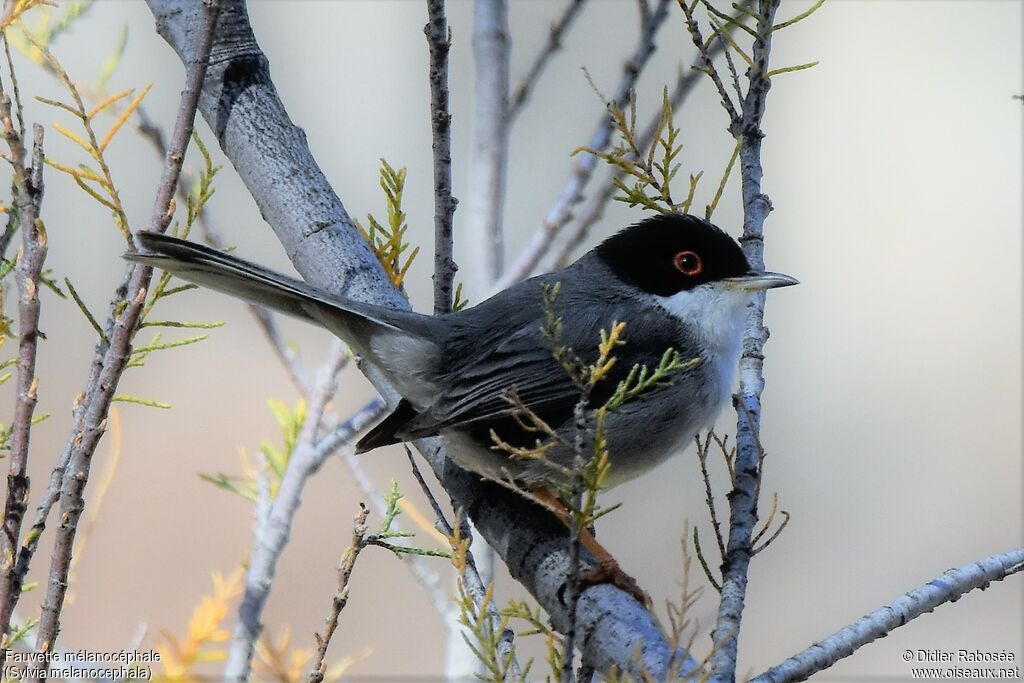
(754, 281)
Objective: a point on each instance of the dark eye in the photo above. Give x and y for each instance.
(688, 263)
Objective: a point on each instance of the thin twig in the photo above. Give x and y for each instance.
(583, 168)
(485, 223)
(112, 358)
(28, 184)
(734, 77)
(705, 64)
(594, 211)
(306, 458)
(921, 600)
(749, 455)
(574, 581)
(556, 33)
(12, 217)
(345, 567)
(417, 564)
(709, 497)
(439, 42)
(475, 586)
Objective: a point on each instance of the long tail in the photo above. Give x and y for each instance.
(400, 342)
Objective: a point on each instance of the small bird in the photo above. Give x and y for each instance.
(676, 281)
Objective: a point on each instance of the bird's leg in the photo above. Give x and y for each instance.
(607, 569)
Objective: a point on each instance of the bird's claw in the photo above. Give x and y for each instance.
(609, 571)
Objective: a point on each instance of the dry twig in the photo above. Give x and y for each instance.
(72, 472)
(439, 39)
(345, 567)
(28, 185)
(556, 33)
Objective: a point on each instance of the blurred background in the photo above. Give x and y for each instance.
(892, 414)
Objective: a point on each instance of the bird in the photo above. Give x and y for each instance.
(677, 282)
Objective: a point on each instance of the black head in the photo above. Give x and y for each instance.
(670, 253)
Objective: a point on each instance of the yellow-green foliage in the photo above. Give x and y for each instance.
(97, 182)
(206, 636)
(482, 635)
(274, 459)
(387, 241)
(394, 508)
(537, 624)
(95, 177)
(205, 633)
(47, 26)
(652, 170)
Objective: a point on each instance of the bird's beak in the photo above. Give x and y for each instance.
(755, 281)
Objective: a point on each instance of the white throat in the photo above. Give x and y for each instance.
(715, 313)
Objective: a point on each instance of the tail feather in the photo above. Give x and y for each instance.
(400, 342)
(385, 432)
(246, 280)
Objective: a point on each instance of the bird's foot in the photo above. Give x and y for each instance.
(609, 571)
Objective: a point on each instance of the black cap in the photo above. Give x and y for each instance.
(670, 253)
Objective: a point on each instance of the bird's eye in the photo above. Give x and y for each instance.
(688, 263)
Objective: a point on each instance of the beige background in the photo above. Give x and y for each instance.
(894, 382)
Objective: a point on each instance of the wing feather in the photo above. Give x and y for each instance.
(476, 388)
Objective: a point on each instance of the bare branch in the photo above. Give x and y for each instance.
(90, 418)
(747, 465)
(475, 585)
(556, 32)
(342, 434)
(922, 600)
(583, 167)
(28, 188)
(488, 163)
(345, 567)
(439, 39)
(271, 537)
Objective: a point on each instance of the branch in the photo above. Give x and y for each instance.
(271, 157)
(922, 600)
(704, 60)
(747, 470)
(556, 32)
(91, 415)
(417, 564)
(266, 320)
(475, 586)
(345, 567)
(28, 186)
(685, 83)
(485, 204)
(343, 433)
(273, 532)
(439, 40)
(583, 168)
(489, 160)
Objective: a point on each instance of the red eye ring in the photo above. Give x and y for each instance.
(688, 263)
